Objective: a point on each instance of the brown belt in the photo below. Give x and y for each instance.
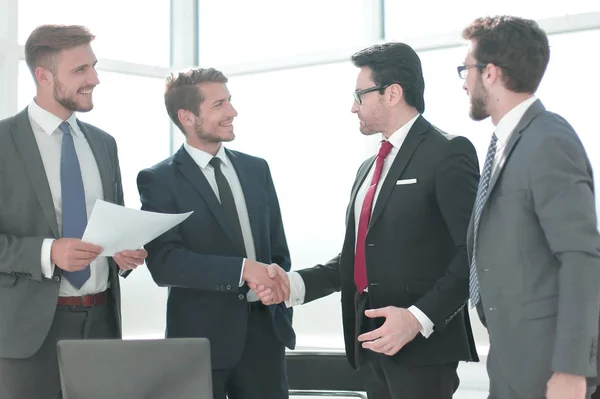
(86, 300)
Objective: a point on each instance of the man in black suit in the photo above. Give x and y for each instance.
(403, 263)
(208, 259)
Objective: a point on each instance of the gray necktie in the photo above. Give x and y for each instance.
(228, 204)
(74, 214)
(482, 190)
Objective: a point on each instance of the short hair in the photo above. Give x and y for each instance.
(46, 41)
(182, 91)
(517, 45)
(395, 63)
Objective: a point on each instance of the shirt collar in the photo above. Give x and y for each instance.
(49, 122)
(509, 122)
(397, 138)
(202, 158)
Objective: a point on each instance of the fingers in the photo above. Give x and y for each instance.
(381, 312)
(79, 245)
(139, 255)
(272, 270)
(126, 263)
(372, 335)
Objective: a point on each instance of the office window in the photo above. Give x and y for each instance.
(404, 21)
(134, 30)
(235, 32)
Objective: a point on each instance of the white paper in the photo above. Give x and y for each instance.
(116, 228)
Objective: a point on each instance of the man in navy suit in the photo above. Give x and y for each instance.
(235, 232)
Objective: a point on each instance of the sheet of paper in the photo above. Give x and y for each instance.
(116, 228)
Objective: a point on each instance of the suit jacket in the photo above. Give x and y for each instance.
(27, 217)
(538, 259)
(199, 260)
(415, 246)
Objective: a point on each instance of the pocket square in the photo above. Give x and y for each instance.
(406, 181)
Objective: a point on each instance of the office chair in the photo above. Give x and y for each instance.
(325, 373)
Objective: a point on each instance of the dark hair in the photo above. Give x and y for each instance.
(395, 63)
(48, 40)
(519, 46)
(182, 91)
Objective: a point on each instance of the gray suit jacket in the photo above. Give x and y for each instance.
(538, 259)
(27, 217)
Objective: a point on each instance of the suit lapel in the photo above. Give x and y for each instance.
(248, 182)
(24, 138)
(412, 141)
(536, 108)
(100, 152)
(360, 178)
(191, 171)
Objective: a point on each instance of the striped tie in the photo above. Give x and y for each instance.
(482, 190)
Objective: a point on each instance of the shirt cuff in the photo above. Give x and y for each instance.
(242, 273)
(47, 266)
(426, 323)
(297, 290)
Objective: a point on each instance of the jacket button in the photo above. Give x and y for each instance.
(241, 296)
(217, 287)
(57, 278)
(228, 287)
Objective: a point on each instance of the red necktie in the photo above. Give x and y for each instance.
(360, 263)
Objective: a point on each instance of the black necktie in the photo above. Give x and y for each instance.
(228, 204)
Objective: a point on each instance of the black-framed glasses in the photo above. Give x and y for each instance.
(462, 69)
(358, 93)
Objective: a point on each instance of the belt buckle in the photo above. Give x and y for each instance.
(93, 298)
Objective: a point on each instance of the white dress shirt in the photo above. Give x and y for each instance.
(506, 125)
(49, 141)
(202, 159)
(297, 287)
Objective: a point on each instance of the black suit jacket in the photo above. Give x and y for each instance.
(415, 246)
(199, 260)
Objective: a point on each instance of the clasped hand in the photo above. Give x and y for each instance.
(270, 282)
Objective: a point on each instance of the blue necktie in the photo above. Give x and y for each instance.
(74, 214)
(482, 190)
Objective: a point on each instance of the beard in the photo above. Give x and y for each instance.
(66, 101)
(479, 100)
(209, 136)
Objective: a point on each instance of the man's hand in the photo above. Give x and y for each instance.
(400, 328)
(129, 260)
(270, 282)
(267, 295)
(72, 254)
(566, 386)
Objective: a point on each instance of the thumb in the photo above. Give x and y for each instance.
(272, 271)
(373, 313)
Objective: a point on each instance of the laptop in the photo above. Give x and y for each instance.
(135, 369)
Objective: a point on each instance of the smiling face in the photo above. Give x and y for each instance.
(66, 82)
(215, 121)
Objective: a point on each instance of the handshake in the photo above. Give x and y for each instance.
(270, 282)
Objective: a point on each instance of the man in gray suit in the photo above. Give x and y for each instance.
(533, 242)
(53, 168)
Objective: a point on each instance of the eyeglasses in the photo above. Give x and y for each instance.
(359, 93)
(462, 69)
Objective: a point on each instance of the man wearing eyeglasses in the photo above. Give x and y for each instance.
(533, 240)
(403, 269)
